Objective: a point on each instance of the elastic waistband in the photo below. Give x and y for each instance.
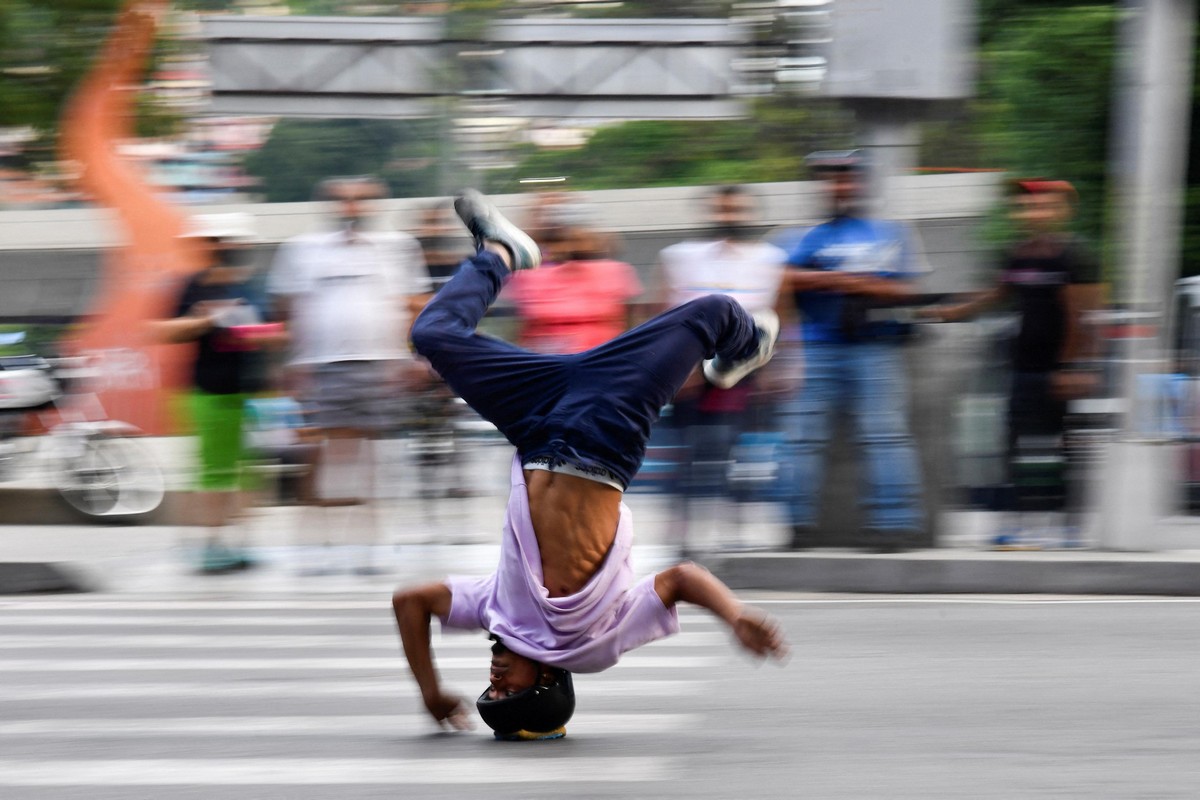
(597, 474)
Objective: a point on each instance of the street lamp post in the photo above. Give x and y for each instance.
(1140, 481)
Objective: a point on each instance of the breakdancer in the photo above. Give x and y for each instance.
(563, 598)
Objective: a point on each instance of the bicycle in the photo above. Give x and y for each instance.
(96, 465)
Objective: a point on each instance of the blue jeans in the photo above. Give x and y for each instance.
(867, 379)
(593, 409)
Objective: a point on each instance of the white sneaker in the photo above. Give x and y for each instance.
(487, 224)
(726, 376)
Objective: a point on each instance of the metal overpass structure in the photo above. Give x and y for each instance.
(397, 67)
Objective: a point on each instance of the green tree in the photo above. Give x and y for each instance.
(300, 153)
(768, 145)
(47, 47)
(1044, 104)
(1043, 108)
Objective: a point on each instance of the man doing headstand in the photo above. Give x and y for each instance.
(563, 598)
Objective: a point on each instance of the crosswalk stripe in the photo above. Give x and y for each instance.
(240, 621)
(339, 771)
(46, 665)
(361, 725)
(221, 621)
(383, 600)
(90, 676)
(381, 641)
(399, 687)
(251, 604)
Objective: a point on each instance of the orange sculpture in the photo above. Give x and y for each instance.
(140, 278)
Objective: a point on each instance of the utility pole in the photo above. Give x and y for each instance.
(1141, 475)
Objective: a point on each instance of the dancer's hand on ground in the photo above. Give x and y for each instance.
(449, 711)
(760, 634)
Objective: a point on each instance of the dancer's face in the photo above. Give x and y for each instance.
(510, 673)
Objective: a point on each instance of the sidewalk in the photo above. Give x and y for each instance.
(424, 540)
(155, 559)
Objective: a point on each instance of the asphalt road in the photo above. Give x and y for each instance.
(883, 697)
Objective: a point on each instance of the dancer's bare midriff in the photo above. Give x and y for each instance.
(575, 521)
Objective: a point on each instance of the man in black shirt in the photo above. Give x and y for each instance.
(220, 313)
(1052, 281)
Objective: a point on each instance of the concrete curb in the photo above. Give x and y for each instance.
(39, 578)
(42, 506)
(951, 572)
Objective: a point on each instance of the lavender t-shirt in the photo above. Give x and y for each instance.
(584, 632)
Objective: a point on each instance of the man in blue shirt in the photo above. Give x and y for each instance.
(843, 273)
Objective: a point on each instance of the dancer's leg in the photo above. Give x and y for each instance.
(670, 345)
(594, 409)
(512, 388)
(616, 390)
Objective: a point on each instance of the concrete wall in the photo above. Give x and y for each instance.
(50, 260)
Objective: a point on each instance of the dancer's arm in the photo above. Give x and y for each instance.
(414, 609)
(692, 583)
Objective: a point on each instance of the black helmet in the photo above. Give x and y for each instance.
(538, 709)
(826, 161)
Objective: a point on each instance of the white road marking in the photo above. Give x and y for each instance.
(360, 725)
(399, 687)
(214, 621)
(333, 771)
(24, 607)
(281, 664)
(383, 605)
(383, 622)
(383, 642)
(1014, 600)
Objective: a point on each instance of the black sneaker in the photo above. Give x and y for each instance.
(726, 376)
(487, 224)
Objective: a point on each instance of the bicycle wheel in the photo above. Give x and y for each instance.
(111, 477)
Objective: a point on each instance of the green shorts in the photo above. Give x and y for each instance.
(218, 419)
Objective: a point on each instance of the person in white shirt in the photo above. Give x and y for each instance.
(349, 297)
(730, 260)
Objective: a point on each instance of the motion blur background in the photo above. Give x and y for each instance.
(603, 127)
(1008, 89)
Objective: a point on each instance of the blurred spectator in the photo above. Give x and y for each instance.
(844, 268)
(1052, 280)
(579, 302)
(348, 297)
(434, 436)
(550, 215)
(219, 312)
(732, 261)
(442, 241)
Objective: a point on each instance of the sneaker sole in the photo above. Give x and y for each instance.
(485, 222)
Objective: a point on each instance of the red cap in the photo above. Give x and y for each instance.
(1045, 186)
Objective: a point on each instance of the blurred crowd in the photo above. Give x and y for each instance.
(306, 361)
